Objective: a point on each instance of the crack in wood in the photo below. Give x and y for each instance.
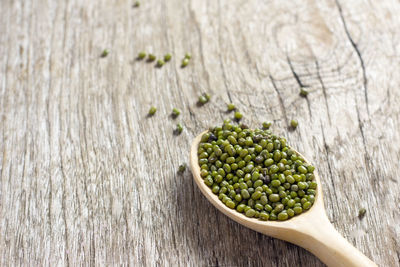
(323, 91)
(281, 104)
(301, 85)
(358, 52)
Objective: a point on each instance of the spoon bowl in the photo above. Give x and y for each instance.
(310, 230)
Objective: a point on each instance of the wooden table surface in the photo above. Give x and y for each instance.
(88, 179)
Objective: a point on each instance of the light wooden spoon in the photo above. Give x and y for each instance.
(310, 230)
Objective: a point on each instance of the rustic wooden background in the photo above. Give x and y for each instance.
(88, 179)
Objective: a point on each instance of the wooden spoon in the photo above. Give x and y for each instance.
(310, 230)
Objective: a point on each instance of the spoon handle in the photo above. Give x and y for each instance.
(324, 241)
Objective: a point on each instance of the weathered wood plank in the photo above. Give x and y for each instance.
(87, 179)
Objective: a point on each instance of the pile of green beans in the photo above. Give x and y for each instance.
(256, 172)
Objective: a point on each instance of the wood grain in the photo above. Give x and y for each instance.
(87, 179)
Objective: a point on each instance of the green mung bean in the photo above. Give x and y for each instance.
(182, 168)
(151, 57)
(185, 62)
(179, 129)
(266, 125)
(152, 111)
(238, 115)
(167, 57)
(105, 53)
(231, 107)
(294, 123)
(361, 213)
(175, 112)
(141, 55)
(303, 92)
(160, 63)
